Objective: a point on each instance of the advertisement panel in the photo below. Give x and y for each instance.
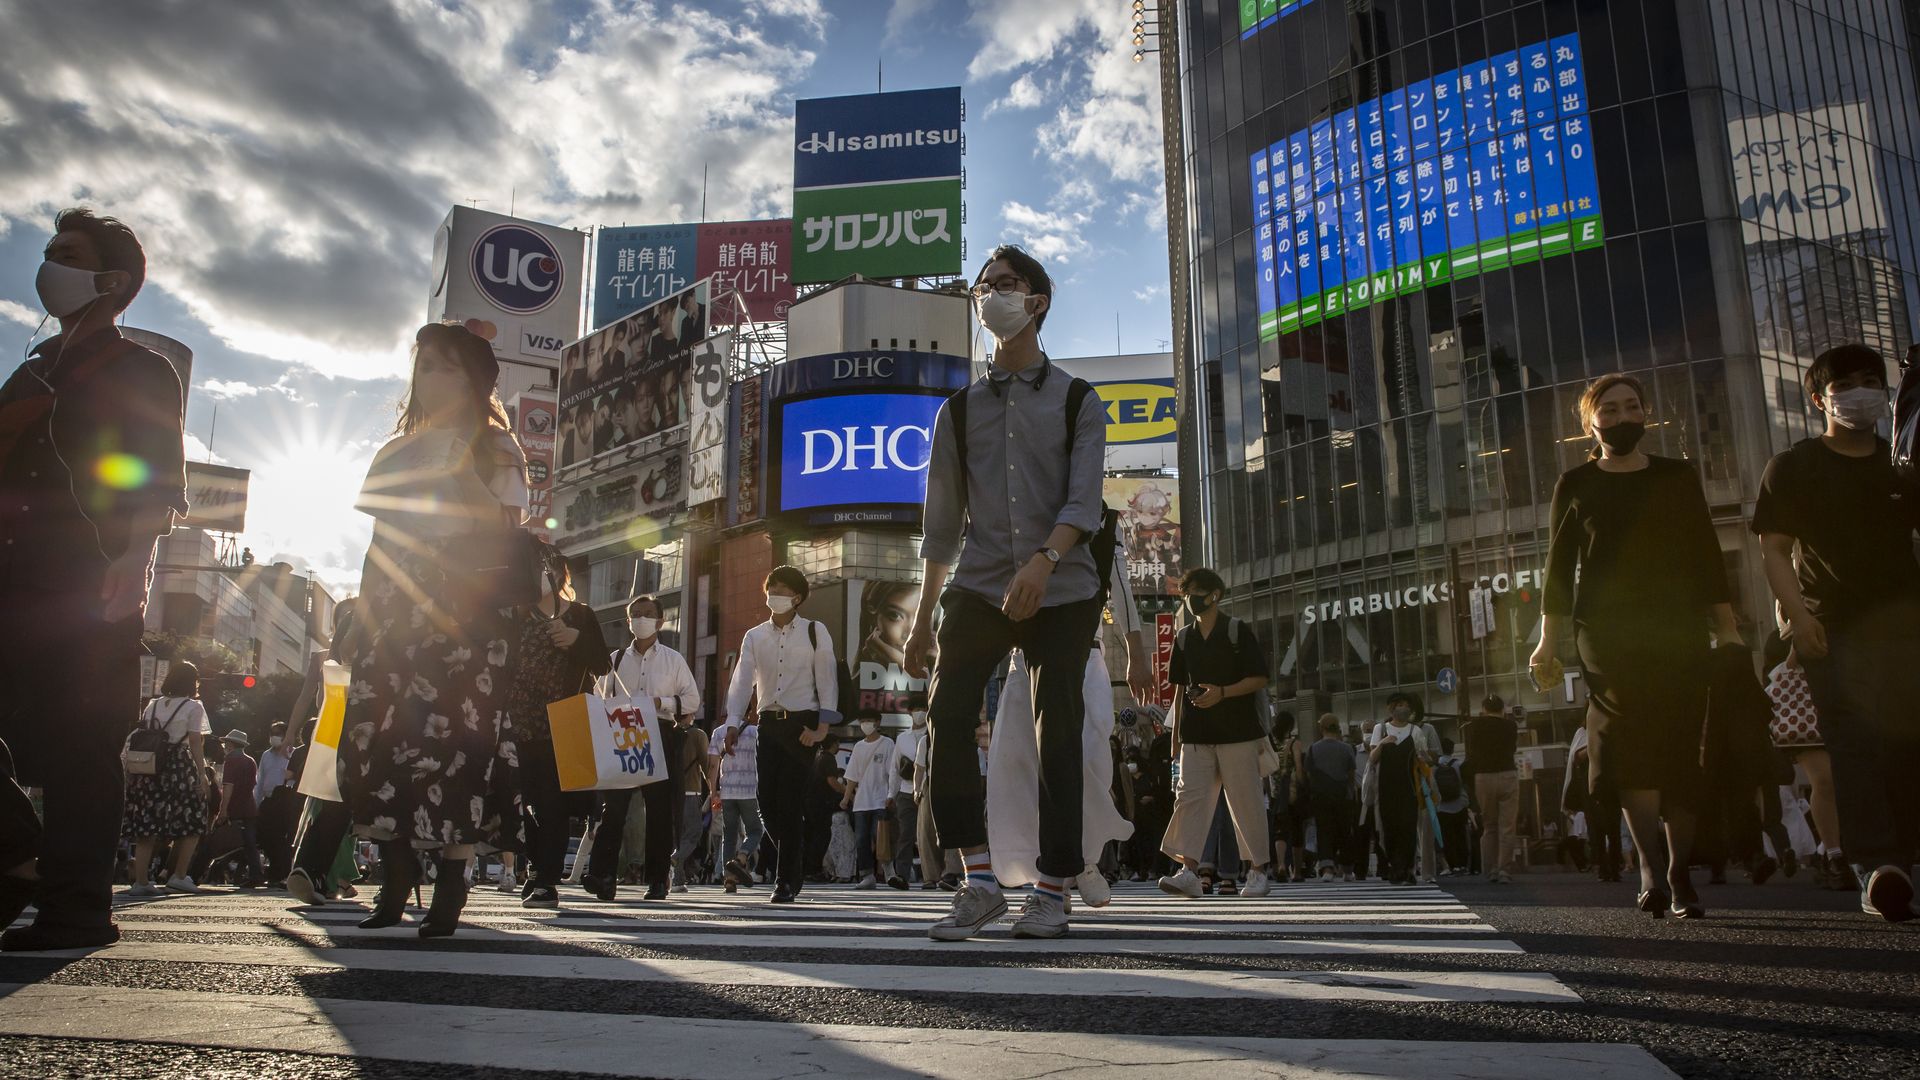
(1799, 174)
(746, 455)
(519, 279)
(1163, 634)
(755, 259)
(882, 689)
(707, 431)
(1149, 530)
(1484, 166)
(638, 265)
(216, 498)
(537, 422)
(876, 181)
(855, 449)
(628, 381)
(1142, 411)
(608, 509)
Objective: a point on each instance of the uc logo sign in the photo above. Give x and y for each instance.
(517, 268)
(1138, 412)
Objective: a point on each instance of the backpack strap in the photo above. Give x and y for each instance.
(957, 415)
(1077, 392)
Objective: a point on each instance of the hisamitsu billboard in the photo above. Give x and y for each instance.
(876, 138)
(877, 185)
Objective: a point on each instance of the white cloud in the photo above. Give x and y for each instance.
(904, 19)
(20, 313)
(1052, 235)
(1025, 93)
(1019, 32)
(1149, 293)
(286, 170)
(228, 389)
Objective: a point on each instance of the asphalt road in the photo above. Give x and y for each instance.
(1781, 980)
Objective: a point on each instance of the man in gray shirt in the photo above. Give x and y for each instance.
(1013, 494)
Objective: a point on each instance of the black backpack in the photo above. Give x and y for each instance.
(1906, 417)
(1446, 780)
(1105, 544)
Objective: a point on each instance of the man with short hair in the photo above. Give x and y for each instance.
(279, 803)
(1836, 525)
(92, 471)
(1218, 665)
(1491, 742)
(1333, 788)
(646, 669)
(1015, 471)
(788, 673)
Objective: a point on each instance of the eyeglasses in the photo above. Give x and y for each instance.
(1004, 286)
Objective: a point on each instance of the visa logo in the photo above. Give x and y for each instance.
(1138, 412)
(541, 343)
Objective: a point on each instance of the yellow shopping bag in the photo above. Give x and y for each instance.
(600, 745)
(320, 777)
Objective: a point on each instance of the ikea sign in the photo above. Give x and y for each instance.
(1138, 412)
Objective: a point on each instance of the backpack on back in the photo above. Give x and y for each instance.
(1446, 780)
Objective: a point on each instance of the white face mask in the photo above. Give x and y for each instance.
(643, 628)
(1005, 315)
(64, 290)
(919, 720)
(273, 742)
(780, 605)
(868, 727)
(1859, 408)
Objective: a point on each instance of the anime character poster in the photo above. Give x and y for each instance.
(1149, 531)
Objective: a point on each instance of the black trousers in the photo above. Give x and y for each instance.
(662, 800)
(1864, 689)
(544, 808)
(786, 769)
(975, 638)
(278, 816)
(1603, 830)
(1333, 824)
(320, 843)
(72, 694)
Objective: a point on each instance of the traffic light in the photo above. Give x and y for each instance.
(233, 681)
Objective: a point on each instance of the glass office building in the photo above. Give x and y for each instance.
(1411, 231)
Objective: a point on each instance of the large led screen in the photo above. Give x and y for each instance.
(854, 450)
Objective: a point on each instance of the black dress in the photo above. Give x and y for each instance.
(1649, 569)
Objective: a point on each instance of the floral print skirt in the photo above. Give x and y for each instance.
(426, 756)
(171, 804)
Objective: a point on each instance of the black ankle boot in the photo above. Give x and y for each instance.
(449, 897)
(402, 873)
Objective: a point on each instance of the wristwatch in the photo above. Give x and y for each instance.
(1052, 555)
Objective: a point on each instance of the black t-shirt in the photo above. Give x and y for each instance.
(1639, 544)
(1854, 523)
(1491, 741)
(1219, 661)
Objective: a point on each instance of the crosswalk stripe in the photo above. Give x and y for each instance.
(1394, 986)
(750, 930)
(628, 1045)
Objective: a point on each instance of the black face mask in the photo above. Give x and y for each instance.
(1199, 605)
(1621, 438)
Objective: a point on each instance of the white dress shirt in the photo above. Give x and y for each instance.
(659, 673)
(784, 669)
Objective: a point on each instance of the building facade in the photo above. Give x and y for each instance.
(1414, 230)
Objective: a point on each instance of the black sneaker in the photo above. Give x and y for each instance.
(1760, 871)
(950, 883)
(1789, 863)
(15, 894)
(38, 938)
(782, 896)
(543, 896)
(897, 882)
(601, 888)
(656, 891)
(1836, 875)
(1888, 893)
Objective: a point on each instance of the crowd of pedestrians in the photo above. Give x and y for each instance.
(1016, 767)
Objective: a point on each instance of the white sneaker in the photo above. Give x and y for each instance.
(181, 883)
(1326, 873)
(974, 907)
(507, 884)
(1041, 917)
(300, 887)
(1093, 888)
(679, 888)
(1258, 884)
(1185, 883)
(142, 889)
(868, 882)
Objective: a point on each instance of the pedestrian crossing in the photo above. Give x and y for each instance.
(1316, 980)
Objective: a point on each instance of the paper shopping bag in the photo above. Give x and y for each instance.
(601, 745)
(320, 778)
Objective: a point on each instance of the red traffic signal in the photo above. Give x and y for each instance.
(247, 681)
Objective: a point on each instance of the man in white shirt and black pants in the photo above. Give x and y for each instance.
(1016, 469)
(787, 671)
(644, 669)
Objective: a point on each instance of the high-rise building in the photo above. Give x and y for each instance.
(1407, 233)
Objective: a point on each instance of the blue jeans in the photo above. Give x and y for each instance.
(737, 816)
(865, 824)
(1223, 848)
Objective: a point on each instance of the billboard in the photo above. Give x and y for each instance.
(216, 498)
(537, 423)
(882, 689)
(628, 381)
(610, 509)
(522, 278)
(851, 434)
(1488, 165)
(1149, 530)
(1260, 14)
(707, 426)
(1799, 174)
(1142, 411)
(746, 455)
(638, 265)
(876, 185)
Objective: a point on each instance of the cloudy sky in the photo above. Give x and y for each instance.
(286, 162)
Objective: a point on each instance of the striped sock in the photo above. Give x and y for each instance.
(980, 872)
(1053, 888)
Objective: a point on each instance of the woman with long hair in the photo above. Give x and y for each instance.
(427, 765)
(559, 651)
(1634, 565)
(170, 803)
